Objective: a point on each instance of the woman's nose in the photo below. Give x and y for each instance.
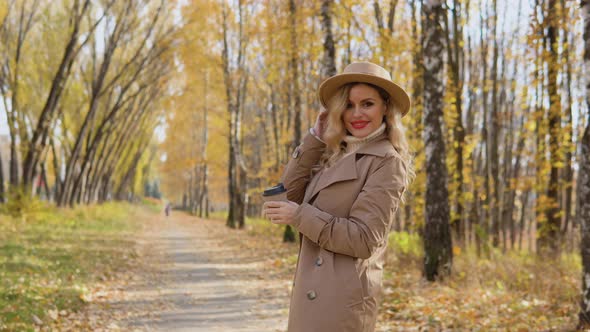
(356, 111)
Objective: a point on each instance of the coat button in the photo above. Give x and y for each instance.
(311, 295)
(319, 261)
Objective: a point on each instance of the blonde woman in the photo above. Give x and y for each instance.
(344, 184)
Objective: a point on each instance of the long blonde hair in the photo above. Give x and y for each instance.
(335, 130)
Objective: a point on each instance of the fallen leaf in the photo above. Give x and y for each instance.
(53, 314)
(37, 320)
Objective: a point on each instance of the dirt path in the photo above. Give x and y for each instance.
(192, 282)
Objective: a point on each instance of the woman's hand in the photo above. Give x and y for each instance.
(320, 124)
(280, 212)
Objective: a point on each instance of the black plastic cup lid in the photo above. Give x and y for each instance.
(278, 189)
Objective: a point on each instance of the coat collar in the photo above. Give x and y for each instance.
(345, 169)
(379, 147)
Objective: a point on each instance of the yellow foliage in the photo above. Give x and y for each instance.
(3, 10)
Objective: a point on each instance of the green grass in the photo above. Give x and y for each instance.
(406, 244)
(218, 215)
(48, 259)
(153, 204)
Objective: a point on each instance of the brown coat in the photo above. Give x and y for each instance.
(344, 219)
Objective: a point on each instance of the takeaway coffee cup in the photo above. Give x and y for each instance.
(276, 193)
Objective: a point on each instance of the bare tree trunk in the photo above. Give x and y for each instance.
(135, 115)
(203, 203)
(508, 211)
(230, 107)
(476, 211)
(584, 191)
(105, 191)
(417, 101)
(328, 62)
(44, 181)
(512, 170)
(237, 183)
(56, 169)
(540, 154)
(93, 104)
(11, 75)
(276, 128)
(204, 186)
(548, 241)
(36, 145)
(456, 64)
(483, 227)
(493, 136)
(289, 234)
(99, 86)
(583, 214)
(126, 185)
(437, 238)
(522, 223)
(13, 163)
(568, 173)
(2, 191)
(470, 163)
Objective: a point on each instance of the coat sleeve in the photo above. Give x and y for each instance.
(367, 225)
(297, 174)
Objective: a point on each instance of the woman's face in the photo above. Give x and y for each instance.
(364, 112)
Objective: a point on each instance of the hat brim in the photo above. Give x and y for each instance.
(329, 87)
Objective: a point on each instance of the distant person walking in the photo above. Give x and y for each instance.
(344, 184)
(167, 209)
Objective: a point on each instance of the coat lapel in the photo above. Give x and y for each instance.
(345, 169)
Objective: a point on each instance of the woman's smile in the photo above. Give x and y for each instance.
(359, 124)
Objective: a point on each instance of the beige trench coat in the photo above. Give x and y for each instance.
(344, 219)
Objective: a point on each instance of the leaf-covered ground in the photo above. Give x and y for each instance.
(77, 274)
(500, 292)
(50, 259)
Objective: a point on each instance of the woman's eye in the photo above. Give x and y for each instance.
(349, 105)
(368, 104)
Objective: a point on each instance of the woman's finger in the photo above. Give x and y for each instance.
(274, 214)
(273, 204)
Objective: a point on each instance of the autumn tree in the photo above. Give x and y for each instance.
(38, 142)
(329, 61)
(455, 55)
(438, 253)
(76, 90)
(494, 127)
(235, 76)
(549, 229)
(584, 184)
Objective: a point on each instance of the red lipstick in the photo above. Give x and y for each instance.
(359, 124)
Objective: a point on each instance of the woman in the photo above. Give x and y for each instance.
(344, 184)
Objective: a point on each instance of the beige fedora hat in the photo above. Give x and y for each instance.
(365, 72)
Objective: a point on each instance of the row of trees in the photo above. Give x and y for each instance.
(497, 123)
(500, 118)
(81, 83)
(508, 105)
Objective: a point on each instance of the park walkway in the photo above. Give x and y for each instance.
(193, 282)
